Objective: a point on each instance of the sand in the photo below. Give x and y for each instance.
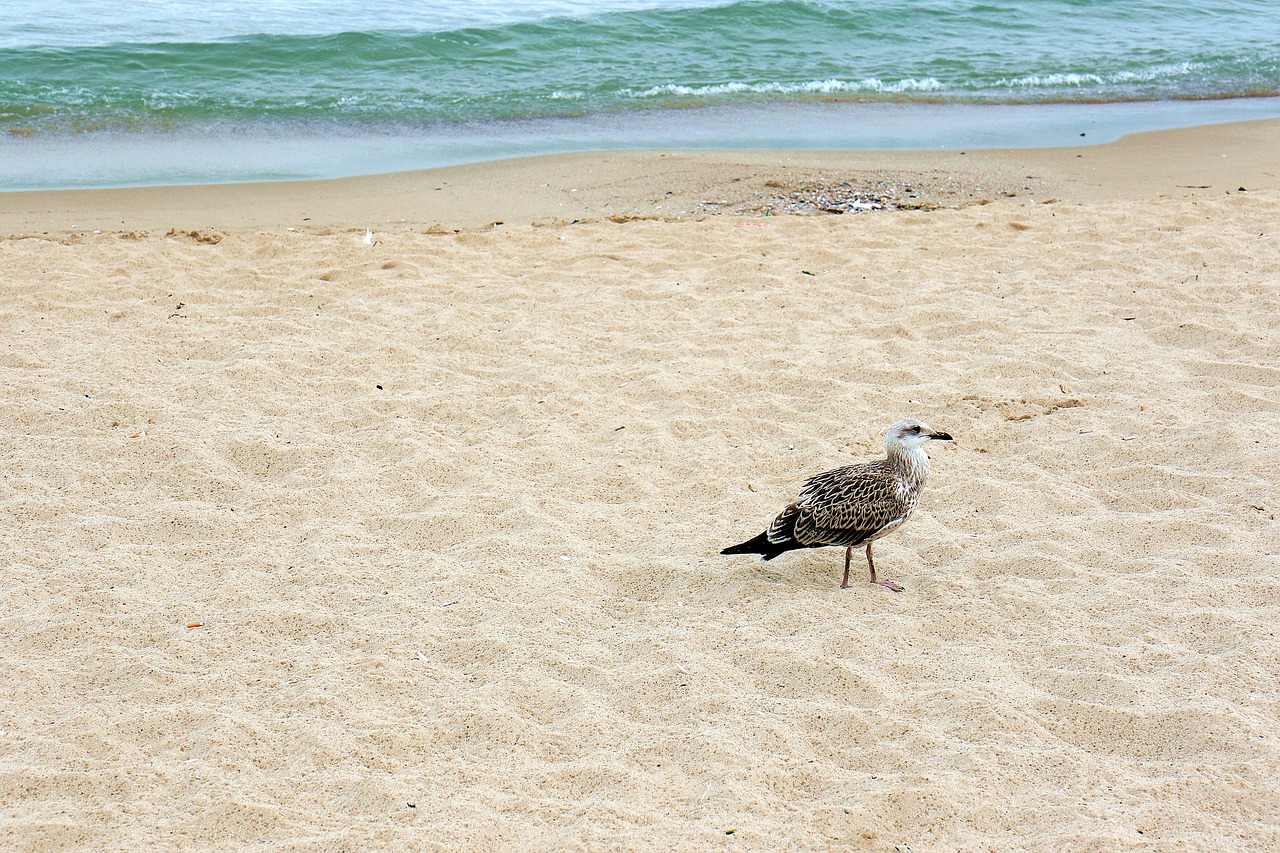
(324, 539)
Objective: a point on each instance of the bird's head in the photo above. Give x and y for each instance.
(909, 434)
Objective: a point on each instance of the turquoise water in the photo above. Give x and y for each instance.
(409, 70)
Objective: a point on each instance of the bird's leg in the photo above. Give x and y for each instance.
(848, 555)
(872, 566)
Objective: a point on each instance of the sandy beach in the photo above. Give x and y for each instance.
(339, 516)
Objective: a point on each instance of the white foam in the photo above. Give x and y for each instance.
(1139, 75)
(816, 87)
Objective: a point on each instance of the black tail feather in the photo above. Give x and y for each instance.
(757, 545)
(762, 546)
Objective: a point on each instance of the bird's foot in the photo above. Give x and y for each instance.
(891, 585)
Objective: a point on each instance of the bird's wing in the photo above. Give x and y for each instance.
(847, 506)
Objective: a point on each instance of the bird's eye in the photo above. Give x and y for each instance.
(915, 429)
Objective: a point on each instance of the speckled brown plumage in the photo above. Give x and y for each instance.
(853, 505)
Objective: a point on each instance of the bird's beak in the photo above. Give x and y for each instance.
(940, 436)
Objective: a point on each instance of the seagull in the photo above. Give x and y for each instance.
(854, 505)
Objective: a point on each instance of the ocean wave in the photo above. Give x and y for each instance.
(94, 23)
(602, 56)
(1150, 74)
(809, 87)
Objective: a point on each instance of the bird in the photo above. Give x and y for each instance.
(854, 505)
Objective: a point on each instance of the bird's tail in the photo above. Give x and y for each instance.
(756, 545)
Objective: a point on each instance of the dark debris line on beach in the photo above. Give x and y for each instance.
(775, 197)
(847, 198)
(844, 197)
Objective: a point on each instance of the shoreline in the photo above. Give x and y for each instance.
(220, 153)
(1199, 160)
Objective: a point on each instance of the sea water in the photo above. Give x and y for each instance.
(169, 91)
